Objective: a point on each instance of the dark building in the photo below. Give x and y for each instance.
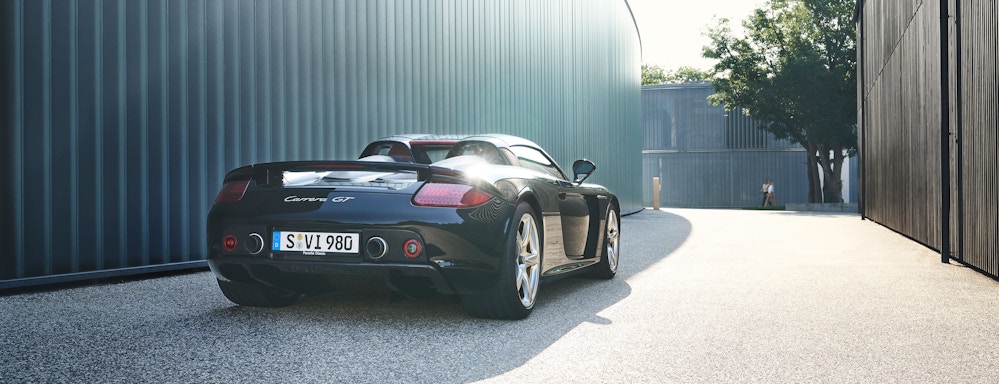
(927, 125)
(706, 156)
(120, 117)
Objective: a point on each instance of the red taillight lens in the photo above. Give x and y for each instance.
(412, 248)
(450, 195)
(229, 243)
(232, 191)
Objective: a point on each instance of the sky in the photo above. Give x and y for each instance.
(673, 31)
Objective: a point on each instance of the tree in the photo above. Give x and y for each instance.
(653, 74)
(796, 71)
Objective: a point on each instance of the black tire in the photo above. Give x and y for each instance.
(516, 289)
(607, 267)
(257, 295)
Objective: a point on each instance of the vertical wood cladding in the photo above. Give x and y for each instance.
(900, 126)
(121, 116)
(900, 132)
(977, 125)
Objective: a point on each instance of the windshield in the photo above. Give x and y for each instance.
(485, 150)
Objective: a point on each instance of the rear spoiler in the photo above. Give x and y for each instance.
(273, 173)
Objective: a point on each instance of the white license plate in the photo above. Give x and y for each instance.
(316, 242)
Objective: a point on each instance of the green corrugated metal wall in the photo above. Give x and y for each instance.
(121, 116)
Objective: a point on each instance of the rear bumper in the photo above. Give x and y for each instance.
(461, 248)
(455, 264)
(285, 274)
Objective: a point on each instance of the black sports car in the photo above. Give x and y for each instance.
(488, 223)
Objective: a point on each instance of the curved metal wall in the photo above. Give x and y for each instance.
(120, 116)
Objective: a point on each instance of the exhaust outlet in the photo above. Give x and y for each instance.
(376, 248)
(254, 244)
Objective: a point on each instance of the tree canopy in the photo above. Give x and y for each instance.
(796, 71)
(654, 74)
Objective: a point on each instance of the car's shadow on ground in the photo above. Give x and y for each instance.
(181, 329)
(364, 335)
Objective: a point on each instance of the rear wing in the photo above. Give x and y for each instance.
(272, 174)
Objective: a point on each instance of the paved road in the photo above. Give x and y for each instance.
(702, 296)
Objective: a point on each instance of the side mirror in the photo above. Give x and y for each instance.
(581, 169)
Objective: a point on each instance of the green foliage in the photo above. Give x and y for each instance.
(796, 70)
(653, 74)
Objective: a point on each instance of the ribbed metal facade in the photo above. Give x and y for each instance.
(928, 124)
(121, 116)
(977, 110)
(708, 157)
(900, 130)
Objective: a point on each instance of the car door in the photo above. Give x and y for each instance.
(573, 210)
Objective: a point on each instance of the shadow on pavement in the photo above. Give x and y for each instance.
(181, 328)
(364, 337)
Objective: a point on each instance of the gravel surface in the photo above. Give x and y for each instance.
(701, 296)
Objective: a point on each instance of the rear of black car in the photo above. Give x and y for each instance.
(279, 229)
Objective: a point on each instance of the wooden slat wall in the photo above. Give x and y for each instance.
(978, 109)
(900, 126)
(901, 140)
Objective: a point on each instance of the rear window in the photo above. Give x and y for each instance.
(397, 151)
(430, 153)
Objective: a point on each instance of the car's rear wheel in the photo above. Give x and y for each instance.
(607, 267)
(257, 295)
(516, 289)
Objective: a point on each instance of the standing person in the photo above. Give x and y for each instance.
(770, 195)
(765, 190)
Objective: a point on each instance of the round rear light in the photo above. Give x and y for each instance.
(229, 243)
(412, 248)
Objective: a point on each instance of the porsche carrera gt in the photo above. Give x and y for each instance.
(489, 223)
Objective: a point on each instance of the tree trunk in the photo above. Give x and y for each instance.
(832, 172)
(814, 189)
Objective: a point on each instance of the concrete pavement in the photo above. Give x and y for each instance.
(780, 296)
(701, 296)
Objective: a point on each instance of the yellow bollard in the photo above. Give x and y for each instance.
(655, 193)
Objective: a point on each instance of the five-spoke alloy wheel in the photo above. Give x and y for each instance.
(516, 289)
(607, 267)
(528, 260)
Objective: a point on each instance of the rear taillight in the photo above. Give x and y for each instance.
(412, 248)
(232, 191)
(450, 195)
(229, 243)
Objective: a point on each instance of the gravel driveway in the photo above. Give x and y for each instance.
(701, 296)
